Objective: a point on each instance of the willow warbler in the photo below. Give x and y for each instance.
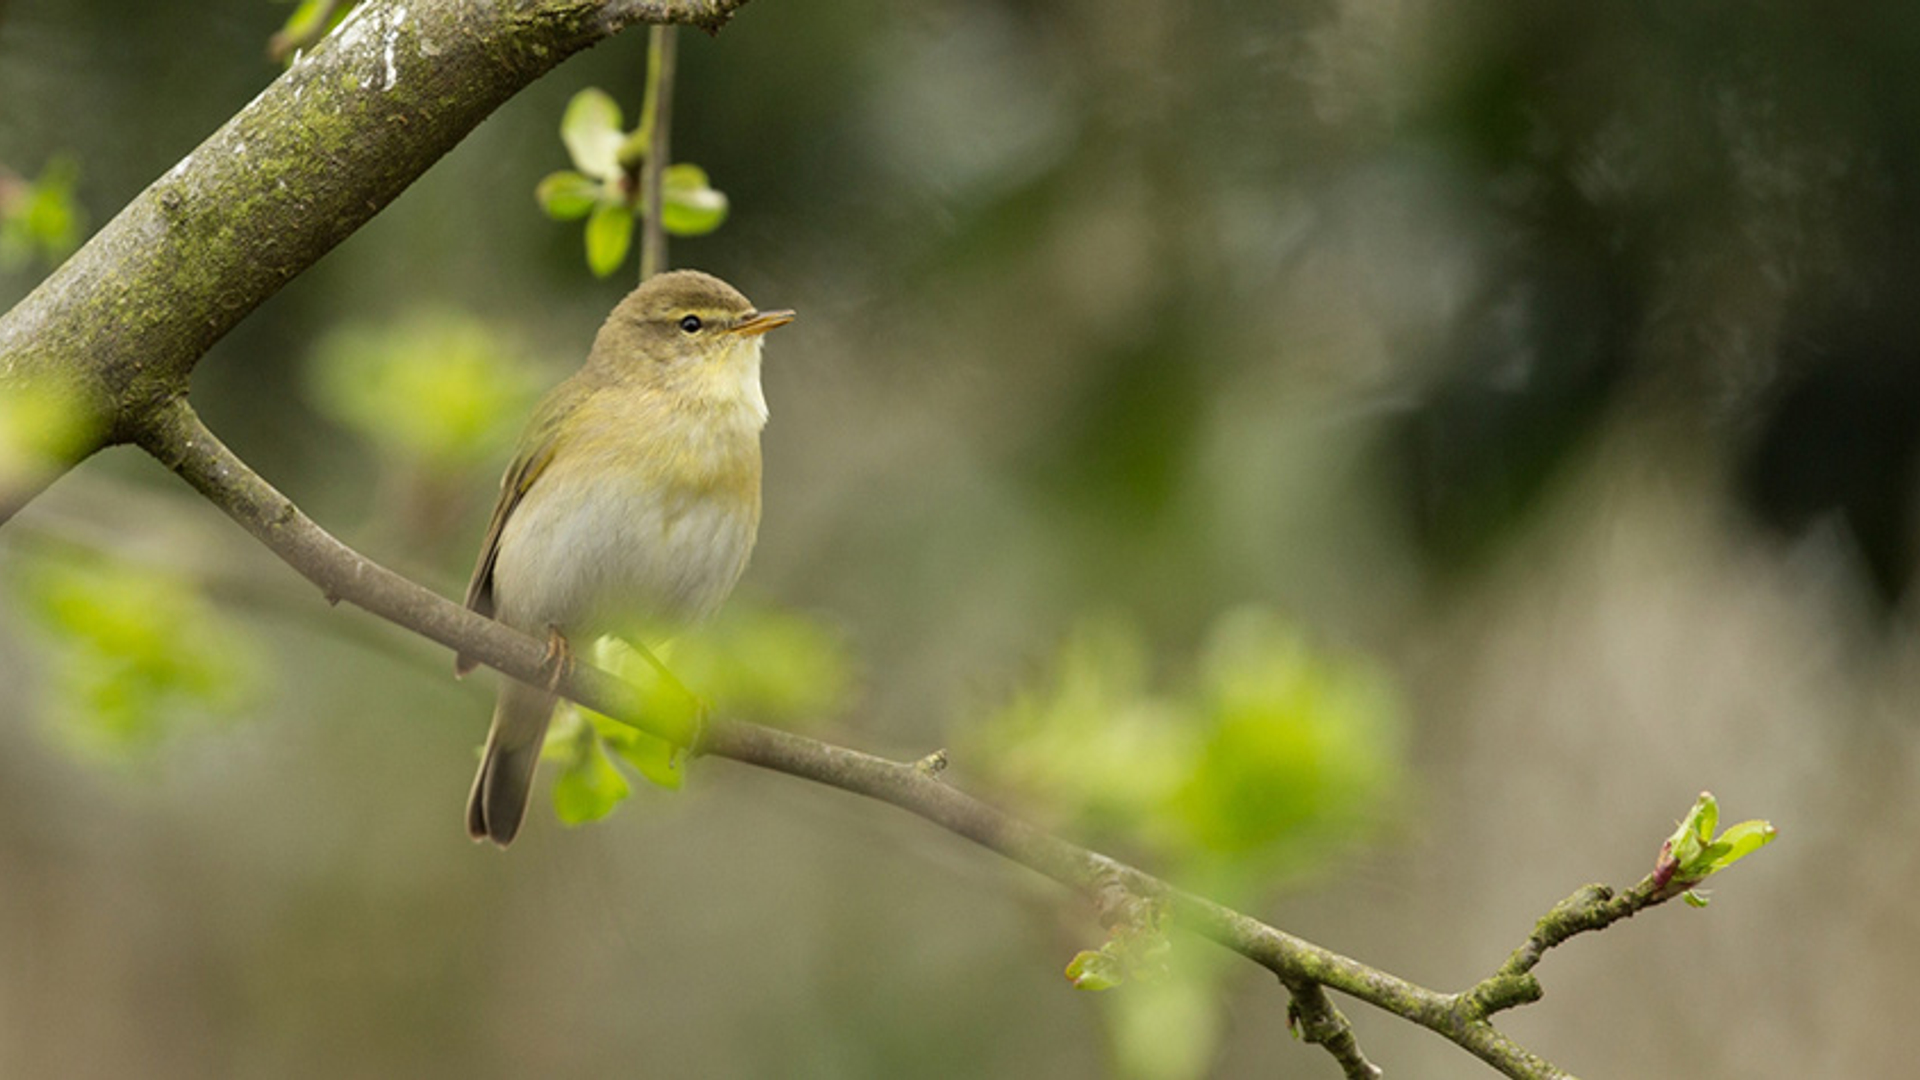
(632, 499)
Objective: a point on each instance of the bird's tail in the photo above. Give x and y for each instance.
(505, 780)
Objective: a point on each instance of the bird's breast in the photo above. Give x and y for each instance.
(623, 533)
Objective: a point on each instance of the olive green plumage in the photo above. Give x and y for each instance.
(631, 502)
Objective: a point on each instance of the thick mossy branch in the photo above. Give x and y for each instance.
(119, 327)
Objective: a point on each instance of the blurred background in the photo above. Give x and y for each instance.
(1374, 462)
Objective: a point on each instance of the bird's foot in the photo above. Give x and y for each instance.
(558, 663)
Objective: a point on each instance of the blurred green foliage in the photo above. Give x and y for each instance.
(1077, 274)
(1300, 746)
(41, 220)
(1267, 756)
(1262, 763)
(752, 663)
(40, 424)
(589, 785)
(605, 191)
(135, 655)
(310, 21)
(1168, 1028)
(440, 390)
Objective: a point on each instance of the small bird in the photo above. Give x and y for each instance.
(632, 500)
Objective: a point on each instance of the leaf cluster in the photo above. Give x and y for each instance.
(603, 188)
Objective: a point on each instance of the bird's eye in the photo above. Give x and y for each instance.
(691, 324)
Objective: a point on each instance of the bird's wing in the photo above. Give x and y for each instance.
(536, 452)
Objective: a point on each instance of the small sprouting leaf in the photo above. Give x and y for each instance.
(1694, 898)
(591, 129)
(689, 205)
(609, 234)
(1706, 814)
(656, 759)
(1693, 853)
(591, 785)
(1689, 841)
(659, 761)
(1090, 970)
(567, 195)
(1740, 841)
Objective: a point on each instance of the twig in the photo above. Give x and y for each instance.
(1317, 1020)
(656, 111)
(174, 434)
(1591, 907)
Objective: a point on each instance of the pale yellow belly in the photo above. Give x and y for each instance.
(598, 557)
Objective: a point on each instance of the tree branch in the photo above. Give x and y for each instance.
(657, 121)
(114, 334)
(1318, 1020)
(117, 329)
(174, 434)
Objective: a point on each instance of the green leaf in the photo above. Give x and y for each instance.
(656, 759)
(689, 205)
(1694, 899)
(567, 195)
(1708, 861)
(591, 785)
(1740, 841)
(1706, 814)
(1689, 841)
(766, 664)
(591, 130)
(660, 762)
(1089, 970)
(1692, 853)
(609, 235)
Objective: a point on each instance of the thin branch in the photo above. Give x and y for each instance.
(175, 435)
(1319, 1021)
(1591, 907)
(657, 122)
(114, 335)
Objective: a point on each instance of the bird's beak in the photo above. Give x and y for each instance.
(762, 321)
